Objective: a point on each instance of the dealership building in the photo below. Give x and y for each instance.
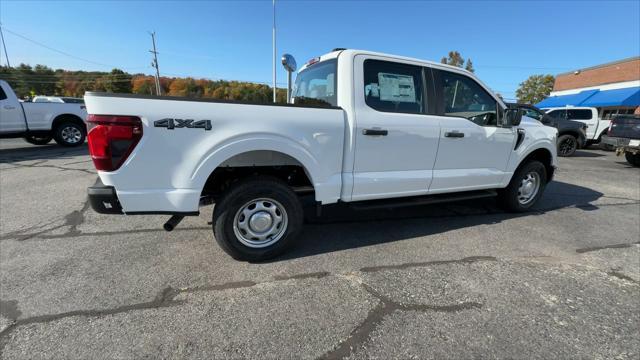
(613, 88)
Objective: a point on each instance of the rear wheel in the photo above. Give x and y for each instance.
(38, 140)
(526, 187)
(257, 219)
(567, 145)
(69, 133)
(633, 159)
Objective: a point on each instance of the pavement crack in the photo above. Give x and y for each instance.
(314, 275)
(622, 276)
(361, 334)
(72, 220)
(164, 298)
(470, 259)
(75, 219)
(612, 246)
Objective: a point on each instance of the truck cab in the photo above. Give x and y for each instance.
(596, 127)
(364, 128)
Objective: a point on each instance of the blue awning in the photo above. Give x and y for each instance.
(564, 100)
(595, 98)
(617, 97)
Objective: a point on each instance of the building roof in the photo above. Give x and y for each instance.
(633, 58)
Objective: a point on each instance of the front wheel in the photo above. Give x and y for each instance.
(70, 134)
(257, 219)
(567, 145)
(38, 140)
(526, 187)
(633, 159)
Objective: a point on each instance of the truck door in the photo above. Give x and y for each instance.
(396, 139)
(589, 117)
(474, 151)
(11, 116)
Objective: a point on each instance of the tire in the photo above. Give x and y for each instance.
(241, 205)
(567, 145)
(38, 140)
(633, 159)
(509, 197)
(70, 133)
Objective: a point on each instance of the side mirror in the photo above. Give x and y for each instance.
(512, 117)
(546, 119)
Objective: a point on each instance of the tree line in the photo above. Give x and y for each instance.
(28, 81)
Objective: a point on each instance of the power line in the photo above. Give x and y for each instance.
(63, 52)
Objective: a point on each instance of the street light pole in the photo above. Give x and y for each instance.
(5, 47)
(274, 50)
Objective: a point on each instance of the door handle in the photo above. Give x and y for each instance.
(9, 107)
(454, 134)
(374, 132)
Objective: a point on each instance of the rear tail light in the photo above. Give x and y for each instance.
(112, 138)
(610, 127)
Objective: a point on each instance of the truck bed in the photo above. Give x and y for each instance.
(169, 167)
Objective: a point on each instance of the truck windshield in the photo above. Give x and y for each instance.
(316, 85)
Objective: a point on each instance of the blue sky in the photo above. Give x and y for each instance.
(507, 41)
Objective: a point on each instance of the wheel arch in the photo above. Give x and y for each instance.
(544, 156)
(254, 156)
(67, 117)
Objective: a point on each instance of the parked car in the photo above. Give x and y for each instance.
(571, 134)
(624, 132)
(365, 128)
(58, 99)
(596, 127)
(46, 99)
(40, 122)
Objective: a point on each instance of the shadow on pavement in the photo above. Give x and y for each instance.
(371, 227)
(587, 154)
(39, 152)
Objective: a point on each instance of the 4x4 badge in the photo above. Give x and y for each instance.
(183, 123)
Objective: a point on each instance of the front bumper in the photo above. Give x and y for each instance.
(103, 199)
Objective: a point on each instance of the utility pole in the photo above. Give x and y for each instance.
(5, 47)
(274, 51)
(154, 63)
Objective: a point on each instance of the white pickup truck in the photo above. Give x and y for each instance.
(596, 127)
(365, 128)
(40, 122)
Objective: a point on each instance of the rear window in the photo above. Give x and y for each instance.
(393, 87)
(2, 94)
(579, 114)
(316, 85)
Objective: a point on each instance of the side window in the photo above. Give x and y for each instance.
(2, 94)
(463, 97)
(532, 113)
(579, 114)
(557, 114)
(393, 87)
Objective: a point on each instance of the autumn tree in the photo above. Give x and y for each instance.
(143, 84)
(535, 89)
(117, 81)
(455, 59)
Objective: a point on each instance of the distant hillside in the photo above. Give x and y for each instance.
(42, 80)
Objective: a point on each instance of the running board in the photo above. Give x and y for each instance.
(422, 200)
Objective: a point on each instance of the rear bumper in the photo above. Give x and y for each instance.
(103, 199)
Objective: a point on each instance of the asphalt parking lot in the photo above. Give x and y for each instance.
(461, 280)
